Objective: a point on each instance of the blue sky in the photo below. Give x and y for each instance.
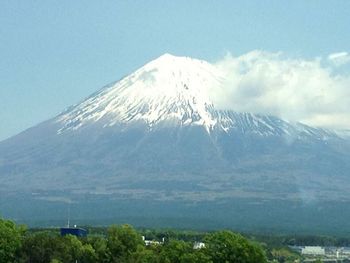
(55, 53)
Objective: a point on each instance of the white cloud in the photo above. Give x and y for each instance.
(292, 88)
(339, 59)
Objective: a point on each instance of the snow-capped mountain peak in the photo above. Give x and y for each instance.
(169, 88)
(174, 91)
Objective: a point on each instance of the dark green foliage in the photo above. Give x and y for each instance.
(144, 255)
(122, 241)
(225, 246)
(283, 255)
(122, 244)
(44, 247)
(101, 249)
(182, 252)
(10, 240)
(174, 251)
(39, 248)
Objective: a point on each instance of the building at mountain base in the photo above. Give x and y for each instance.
(75, 231)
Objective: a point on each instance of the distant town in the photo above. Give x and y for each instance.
(323, 254)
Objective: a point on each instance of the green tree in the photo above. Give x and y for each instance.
(144, 255)
(176, 251)
(122, 241)
(44, 247)
(38, 248)
(284, 255)
(225, 247)
(71, 249)
(101, 249)
(10, 240)
(196, 257)
(88, 254)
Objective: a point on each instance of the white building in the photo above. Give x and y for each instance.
(152, 242)
(313, 250)
(198, 245)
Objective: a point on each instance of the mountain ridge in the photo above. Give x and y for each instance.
(148, 139)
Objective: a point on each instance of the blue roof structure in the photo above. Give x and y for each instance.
(75, 231)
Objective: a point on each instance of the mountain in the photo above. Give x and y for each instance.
(154, 145)
(173, 91)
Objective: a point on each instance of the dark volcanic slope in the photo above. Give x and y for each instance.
(139, 163)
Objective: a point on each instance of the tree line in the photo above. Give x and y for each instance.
(122, 244)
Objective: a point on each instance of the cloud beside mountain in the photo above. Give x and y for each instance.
(339, 59)
(312, 91)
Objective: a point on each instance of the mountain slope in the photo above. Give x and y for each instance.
(157, 137)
